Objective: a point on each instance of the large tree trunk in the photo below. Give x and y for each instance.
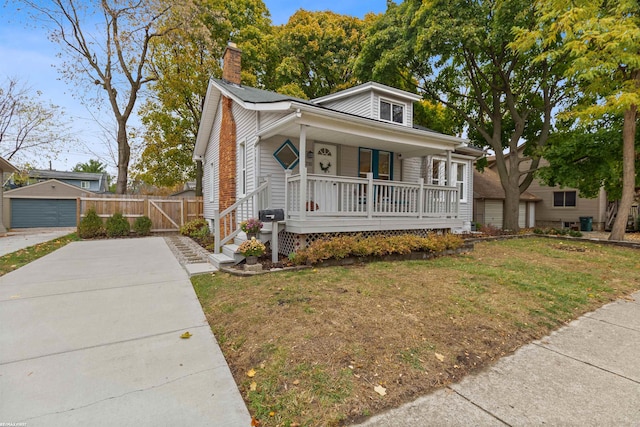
(628, 173)
(124, 154)
(511, 208)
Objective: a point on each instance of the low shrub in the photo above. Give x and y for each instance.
(117, 225)
(380, 245)
(558, 232)
(197, 228)
(91, 225)
(142, 226)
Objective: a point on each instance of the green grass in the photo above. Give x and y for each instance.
(17, 259)
(320, 339)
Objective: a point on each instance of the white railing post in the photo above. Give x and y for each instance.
(303, 193)
(268, 196)
(216, 231)
(287, 190)
(421, 198)
(370, 195)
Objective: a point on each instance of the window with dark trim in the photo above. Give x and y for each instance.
(564, 199)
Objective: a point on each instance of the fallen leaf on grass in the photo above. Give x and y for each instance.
(251, 373)
(296, 382)
(272, 414)
(440, 357)
(255, 422)
(294, 424)
(253, 386)
(186, 335)
(380, 390)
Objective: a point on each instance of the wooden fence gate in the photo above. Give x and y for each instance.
(166, 213)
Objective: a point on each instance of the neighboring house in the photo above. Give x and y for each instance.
(49, 198)
(5, 167)
(488, 201)
(50, 203)
(557, 206)
(88, 181)
(188, 190)
(348, 162)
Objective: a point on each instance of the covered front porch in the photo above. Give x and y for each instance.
(324, 204)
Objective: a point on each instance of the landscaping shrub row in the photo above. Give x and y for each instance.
(557, 232)
(378, 246)
(91, 226)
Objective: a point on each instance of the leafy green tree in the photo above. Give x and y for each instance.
(457, 53)
(92, 165)
(602, 39)
(315, 53)
(184, 61)
(587, 156)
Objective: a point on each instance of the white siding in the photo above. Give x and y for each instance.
(359, 104)
(245, 132)
(265, 119)
(270, 166)
(211, 157)
(348, 161)
(411, 169)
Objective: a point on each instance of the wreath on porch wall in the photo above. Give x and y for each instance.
(324, 168)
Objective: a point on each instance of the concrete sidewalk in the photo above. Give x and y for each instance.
(17, 239)
(90, 335)
(585, 374)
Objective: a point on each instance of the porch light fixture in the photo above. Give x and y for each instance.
(310, 154)
(287, 155)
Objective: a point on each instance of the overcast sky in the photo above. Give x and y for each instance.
(26, 53)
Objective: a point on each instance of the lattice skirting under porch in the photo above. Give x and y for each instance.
(290, 242)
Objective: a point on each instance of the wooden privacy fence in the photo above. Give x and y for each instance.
(166, 213)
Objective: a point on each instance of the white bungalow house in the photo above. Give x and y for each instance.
(349, 162)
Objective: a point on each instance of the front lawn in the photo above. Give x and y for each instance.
(331, 346)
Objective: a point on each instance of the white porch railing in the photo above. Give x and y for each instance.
(226, 224)
(367, 197)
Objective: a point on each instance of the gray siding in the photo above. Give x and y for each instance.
(411, 169)
(270, 166)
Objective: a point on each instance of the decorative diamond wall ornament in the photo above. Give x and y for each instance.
(287, 155)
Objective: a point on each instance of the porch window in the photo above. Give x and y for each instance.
(460, 172)
(391, 112)
(438, 172)
(243, 168)
(287, 155)
(566, 199)
(377, 161)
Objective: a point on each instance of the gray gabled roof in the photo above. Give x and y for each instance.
(257, 96)
(51, 174)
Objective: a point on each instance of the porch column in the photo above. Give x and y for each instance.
(448, 175)
(302, 165)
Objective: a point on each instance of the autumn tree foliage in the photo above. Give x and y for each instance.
(183, 62)
(106, 49)
(601, 39)
(458, 54)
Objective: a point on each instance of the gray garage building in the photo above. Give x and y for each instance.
(46, 204)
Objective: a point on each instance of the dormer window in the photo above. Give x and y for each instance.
(391, 112)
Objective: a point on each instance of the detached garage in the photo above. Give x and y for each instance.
(45, 204)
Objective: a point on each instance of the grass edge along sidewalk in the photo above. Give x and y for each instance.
(14, 260)
(331, 346)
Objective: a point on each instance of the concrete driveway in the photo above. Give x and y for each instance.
(21, 238)
(90, 335)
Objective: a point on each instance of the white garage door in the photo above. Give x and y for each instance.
(522, 215)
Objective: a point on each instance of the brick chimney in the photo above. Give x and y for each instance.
(231, 66)
(227, 143)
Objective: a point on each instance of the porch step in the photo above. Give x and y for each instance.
(221, 260)
(231, 251)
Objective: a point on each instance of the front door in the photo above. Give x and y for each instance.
(377, 161)
(325, 159)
